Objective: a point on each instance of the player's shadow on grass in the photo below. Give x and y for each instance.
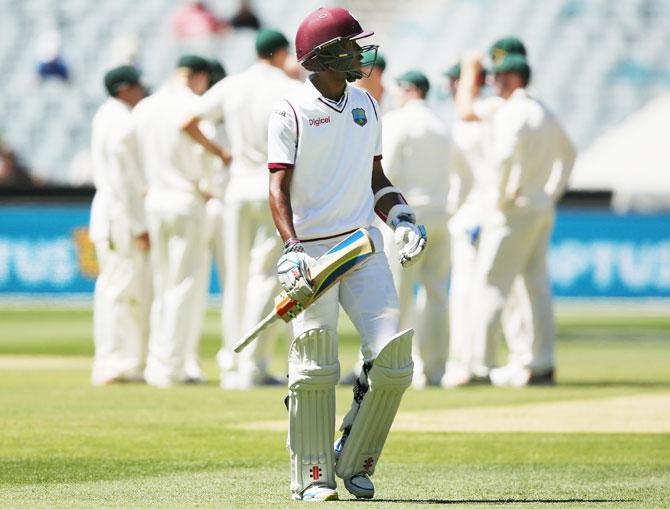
(503, 501)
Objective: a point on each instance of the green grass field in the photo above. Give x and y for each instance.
(600, 438)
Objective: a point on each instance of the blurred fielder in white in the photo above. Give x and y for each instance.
(118, 229)
(416, 153)
(472, 196)
(244, 103)
(533, 158)
(175, 206)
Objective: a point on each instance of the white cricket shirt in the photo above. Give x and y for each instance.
(532, 152)
(243, 103)
(331, 147)
(475, 181)
(172, 161)
(118, 179)
(416, 154)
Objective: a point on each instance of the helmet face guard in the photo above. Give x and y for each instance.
(334, 56)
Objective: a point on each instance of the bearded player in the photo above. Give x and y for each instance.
(326, 180)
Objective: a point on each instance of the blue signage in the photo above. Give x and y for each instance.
(46, 250)
(600, 254)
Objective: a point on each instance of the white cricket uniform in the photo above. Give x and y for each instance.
(243, 103)
(472, 197)
(415, 159)
(175, 211)
(123, 288)
(331, 147)
(331, 195)
(533, 158)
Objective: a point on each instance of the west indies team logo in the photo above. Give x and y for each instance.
(359, 116)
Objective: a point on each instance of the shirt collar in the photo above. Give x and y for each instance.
(413, 103)
(519, 93)
(314, 94)
(119, 103)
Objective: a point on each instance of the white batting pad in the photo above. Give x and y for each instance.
(367, 424)
(313, 373)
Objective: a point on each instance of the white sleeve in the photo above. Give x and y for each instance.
(392, 139)
(460, 179)
(210, 105)
(565, 160)
(508, 127)
(283, 134)
(127, 178)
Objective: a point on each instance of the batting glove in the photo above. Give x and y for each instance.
(292, 271)
(410, 239)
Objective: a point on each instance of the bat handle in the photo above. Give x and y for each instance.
(254, 333)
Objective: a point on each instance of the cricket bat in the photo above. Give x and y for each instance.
(327, 270)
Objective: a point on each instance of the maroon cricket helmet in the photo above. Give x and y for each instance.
(318, 42)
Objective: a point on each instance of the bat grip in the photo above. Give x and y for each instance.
(254, 333)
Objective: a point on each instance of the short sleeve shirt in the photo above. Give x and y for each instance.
(331, 147)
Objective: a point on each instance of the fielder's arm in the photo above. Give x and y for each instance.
(191, 127)
(468, 86)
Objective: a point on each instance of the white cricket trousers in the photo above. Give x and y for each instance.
(177, 230)
(367, 295)
(425, 310)
(516, 246)
(516, 316)
(252, 249)
(121, 304)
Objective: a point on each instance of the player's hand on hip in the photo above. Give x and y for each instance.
(292, 271)
(410, 239)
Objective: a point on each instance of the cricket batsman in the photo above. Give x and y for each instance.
(326, 180)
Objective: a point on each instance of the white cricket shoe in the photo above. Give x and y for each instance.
(518, 376)
(455, 376)
(317, 493)
(360, 486)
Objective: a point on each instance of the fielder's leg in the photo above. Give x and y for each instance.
(431, 337)
(463, 254)
(313, 373)
(254, 361)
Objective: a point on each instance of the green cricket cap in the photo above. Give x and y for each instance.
(506, 46)
(120, 76)
(268, 41)
(193, 62)
(416, 78)
(216, 71)
(513, 63)
(454, 72)
(369, 59)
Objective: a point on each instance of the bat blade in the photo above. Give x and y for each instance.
(327, 270)
(338, 261)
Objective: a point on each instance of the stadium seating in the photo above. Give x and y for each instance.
(594, 62)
